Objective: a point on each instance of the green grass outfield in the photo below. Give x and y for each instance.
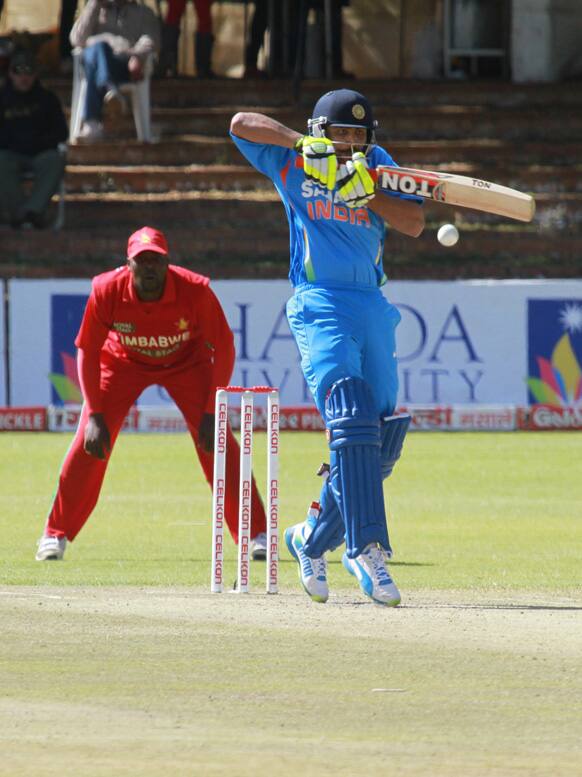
(467, 511)
(118, 661)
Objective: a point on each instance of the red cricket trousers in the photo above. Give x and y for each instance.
(177, 7)
(81, 476)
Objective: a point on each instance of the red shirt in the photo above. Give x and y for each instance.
(186, 326)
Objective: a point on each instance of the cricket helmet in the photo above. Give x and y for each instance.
(343, 108)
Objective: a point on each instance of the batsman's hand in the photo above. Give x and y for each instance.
(319, 160)
(97, 441)
(206, 432)
(355, 185)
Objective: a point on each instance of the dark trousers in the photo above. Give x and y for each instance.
(260, 22)
(47, 169)
(258, 27)
(68, 11)
(103, 70)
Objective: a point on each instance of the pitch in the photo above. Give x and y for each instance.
(119, 661)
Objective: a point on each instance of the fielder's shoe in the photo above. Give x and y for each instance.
(370, 570)
(312, 571)
(51, 548)
(259, 547)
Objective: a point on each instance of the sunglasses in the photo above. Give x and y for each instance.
(22, 70)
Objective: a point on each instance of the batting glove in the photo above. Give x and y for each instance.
(355, 185)
(319, 160)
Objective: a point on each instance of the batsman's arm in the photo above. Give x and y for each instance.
(259, 128)
(402, 215)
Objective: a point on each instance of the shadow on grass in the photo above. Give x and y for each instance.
(517, 607)
(392, 563)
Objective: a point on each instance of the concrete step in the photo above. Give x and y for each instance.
(202, 150)
(244, 211)
(246, 234)
(538, 123)
(187, 91)
(159, 178)
(479, 253)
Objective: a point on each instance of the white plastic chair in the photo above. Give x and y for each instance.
(138, 92)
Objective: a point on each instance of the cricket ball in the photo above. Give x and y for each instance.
(448, 235)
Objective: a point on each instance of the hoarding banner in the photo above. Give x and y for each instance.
(466, 343)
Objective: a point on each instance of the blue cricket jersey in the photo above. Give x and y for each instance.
(329, 242)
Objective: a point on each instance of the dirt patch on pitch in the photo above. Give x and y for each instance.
(178, 681)
(528, 624)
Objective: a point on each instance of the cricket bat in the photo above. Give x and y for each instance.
(457, 190)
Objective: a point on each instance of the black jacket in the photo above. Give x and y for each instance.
(31, 122)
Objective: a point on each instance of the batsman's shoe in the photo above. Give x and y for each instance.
(51, 548)
(312, 571)
(259, 547)
(370, 570)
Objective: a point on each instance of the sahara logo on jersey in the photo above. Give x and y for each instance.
(555, 352)
(327, 205)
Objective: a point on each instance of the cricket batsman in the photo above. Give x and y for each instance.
(146, 323)
(343, 326)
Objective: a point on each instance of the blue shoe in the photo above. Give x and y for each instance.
(370, 570)
(312, 571)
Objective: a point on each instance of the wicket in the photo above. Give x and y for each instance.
(244, 507)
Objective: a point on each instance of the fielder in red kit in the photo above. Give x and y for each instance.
(147, 323)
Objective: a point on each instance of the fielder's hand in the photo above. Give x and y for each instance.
(97, 441)
(355, 185)
(319, 160)
(206, 432)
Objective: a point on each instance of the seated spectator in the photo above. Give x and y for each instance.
(203, 38)
(116, 36)
(32, 125)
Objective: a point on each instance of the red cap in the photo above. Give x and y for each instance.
(146, 239)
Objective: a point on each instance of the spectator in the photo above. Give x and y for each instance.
(258, 26)
(259, 23)
(117, 36)
(68, 11)
(32, 125)
(203, 39)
